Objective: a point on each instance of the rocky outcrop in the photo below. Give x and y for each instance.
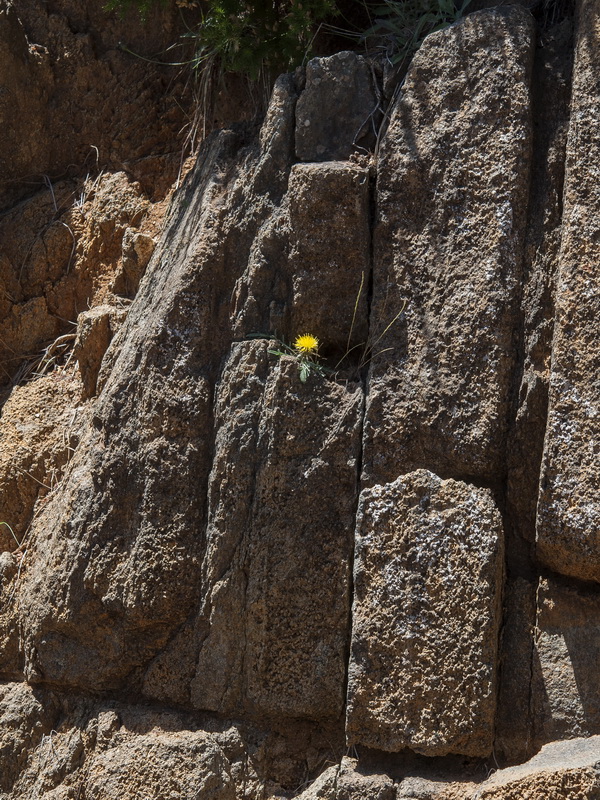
(226, 573)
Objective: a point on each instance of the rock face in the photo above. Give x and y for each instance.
(282, 495)
(427, 584)
(223, 573)
(451, 209)
(345, 84)
(560, 770)
(568, 511)
(567, 645)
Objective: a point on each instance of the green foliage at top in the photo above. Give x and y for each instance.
(261, 33)
(401, 25)
(249, 36)
(276, 35)
(143, 6)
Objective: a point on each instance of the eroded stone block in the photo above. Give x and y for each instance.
(566, 683)
(338, 111)
(309, 267)
(560, 771)
(282, 495)
(427, 580)
(568, 522)
(452, 193)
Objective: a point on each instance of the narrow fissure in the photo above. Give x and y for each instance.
(359, 462)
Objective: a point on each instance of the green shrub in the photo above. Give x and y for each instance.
(249, 36)
(277, 35)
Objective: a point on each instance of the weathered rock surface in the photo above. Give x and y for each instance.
(427, 584)
(560, 771)
(568, 525)
(308, 252)
(552, 77)
(566, 685)
(345, 782)
(452, 192)
(180, 606)
(39, 429)
(346, 85)
(95, 330)
(282, 496)
(25, 718)
(515, 716)
(72, 97)
(62, 252)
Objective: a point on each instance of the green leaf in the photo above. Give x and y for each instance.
(304, 371)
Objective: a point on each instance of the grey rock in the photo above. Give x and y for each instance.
(338, 112)
(452, 193)
(317, 247)
(568, 523)
(565, 691)
(561, 771)
(348, 782)
(425, 620)
(282, 494)
(116, 564)
(514, 740)
(25, 718)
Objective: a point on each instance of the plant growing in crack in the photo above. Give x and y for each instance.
(306, 352)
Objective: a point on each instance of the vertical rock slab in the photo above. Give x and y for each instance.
(452, 193)
(330, 251)
(282, 498)
(514, 718)
(309, 267)
(427, 585)
(552, 78)
(568, 523)
(565, 682)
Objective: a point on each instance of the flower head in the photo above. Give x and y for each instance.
(307, 345)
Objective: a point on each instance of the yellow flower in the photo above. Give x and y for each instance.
(307, 344)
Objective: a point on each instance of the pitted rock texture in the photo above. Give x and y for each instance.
(95, 329)
(181, 615)
(26, 718)
(568, 523)
(316, 247)
(345, 782)
(282, 496)
(39, 429)
(65, 250)
(452, 192)
(427, 584)
(560, 771)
